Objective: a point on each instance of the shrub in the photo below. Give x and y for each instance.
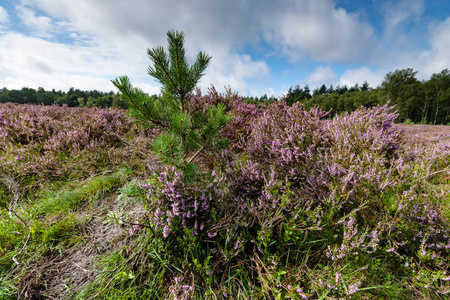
(175, 205)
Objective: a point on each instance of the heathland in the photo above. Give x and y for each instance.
(187, 195)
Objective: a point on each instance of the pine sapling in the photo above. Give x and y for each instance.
(185, 133)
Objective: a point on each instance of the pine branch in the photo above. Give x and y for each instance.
(164, 69)
(124, 90)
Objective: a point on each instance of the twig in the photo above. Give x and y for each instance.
(196, 154)
(84, 270)
(437, 172)
(21, 250)
(13, 212)
(14, 188)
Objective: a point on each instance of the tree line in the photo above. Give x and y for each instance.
(79, 98)
(418, 101)
(72, 98)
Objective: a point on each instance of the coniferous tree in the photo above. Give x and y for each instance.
(185, 133)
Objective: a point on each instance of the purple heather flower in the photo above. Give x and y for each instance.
(353, 288)
(338, 276)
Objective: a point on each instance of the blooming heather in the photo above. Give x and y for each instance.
(335, 194)
(43, 140)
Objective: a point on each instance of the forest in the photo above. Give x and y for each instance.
(72, 98)
(424, 102)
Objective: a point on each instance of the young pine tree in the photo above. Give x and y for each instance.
(185, 133)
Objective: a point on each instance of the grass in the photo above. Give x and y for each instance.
(129, 274)
(69, 198)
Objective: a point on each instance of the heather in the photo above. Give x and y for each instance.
(298, 205)
(56, 163)
(307, 207)
(39, 143)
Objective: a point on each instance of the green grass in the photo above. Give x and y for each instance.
(135, 271)
(69, 198)
(48, 224)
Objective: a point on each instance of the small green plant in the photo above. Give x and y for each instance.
(185, 132)
(408, 122)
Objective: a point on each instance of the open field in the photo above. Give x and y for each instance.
(75, 224)
(425, 134)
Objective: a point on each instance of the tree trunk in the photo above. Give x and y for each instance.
(437, 106)
(425, 110)
(436, 113)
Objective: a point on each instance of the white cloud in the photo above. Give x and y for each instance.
(229, 69)
(263, 91)
(4, 17)
(319, 30)
(322, 75)
(34, 62)
(112, 37)
(221, 81)
(397, 13)
(40, 25)
(438, 58)
(426, 62)
(359, 75)
(53, 65)
(205, 22)
(150, 89)
(247, 68)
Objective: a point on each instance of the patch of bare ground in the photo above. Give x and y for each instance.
(61, 274)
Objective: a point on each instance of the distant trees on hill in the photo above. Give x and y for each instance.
(426, 101)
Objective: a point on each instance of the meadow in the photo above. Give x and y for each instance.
(297, 206)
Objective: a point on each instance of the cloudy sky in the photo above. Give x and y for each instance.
(258, 46)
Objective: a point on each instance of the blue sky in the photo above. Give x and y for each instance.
(258, 46)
